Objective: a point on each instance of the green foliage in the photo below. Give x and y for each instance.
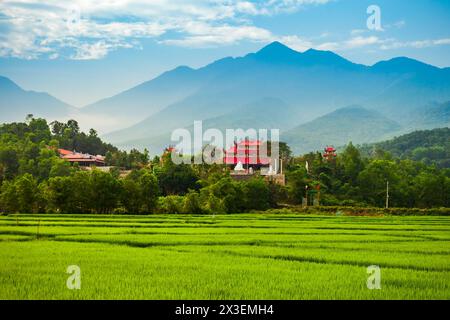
(257, 195)
(177, 179)
(69, 137)
(192, 203)
(60, 194)
(105, 189)
(34, 179)
(431, 190)
(31, 148)
(354, 180)
(100, 192)
(171, 204)
(8, 197)
(429, 146)
(132, 160)
(230, 196)
(350, 163)
(26, 189)
(9, 162)
(149, 189)
(131, 197)
(297, 181)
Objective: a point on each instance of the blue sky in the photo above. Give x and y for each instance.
(81, 51)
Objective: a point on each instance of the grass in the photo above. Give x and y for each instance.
(259, 256)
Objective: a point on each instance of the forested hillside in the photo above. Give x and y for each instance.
(34, 179)
(30, 147)
(352, 123)
(429, 146)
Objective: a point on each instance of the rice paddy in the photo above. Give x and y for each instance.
(246, 256)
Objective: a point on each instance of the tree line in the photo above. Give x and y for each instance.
(354, 180)
(34, 179)
(169, 189)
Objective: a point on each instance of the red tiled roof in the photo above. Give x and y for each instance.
(63, 152)
(246, 160)
(79, 157)
(246, 153)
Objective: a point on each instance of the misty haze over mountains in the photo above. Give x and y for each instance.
(16, 103)
(315, 98)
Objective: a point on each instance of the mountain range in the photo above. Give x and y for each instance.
(315, 98)
(16, 103)
(352, 123)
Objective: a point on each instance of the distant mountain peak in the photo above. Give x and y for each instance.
(353, 111)
(276, 50)
(314, 56)
(183, 68)
(323, 53)
(313, 51)
(275, 45)
(403, 64)
(303, 86)
(8, 84)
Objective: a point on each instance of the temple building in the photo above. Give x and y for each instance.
(247, 159)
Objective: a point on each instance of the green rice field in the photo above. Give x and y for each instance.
(246, 256)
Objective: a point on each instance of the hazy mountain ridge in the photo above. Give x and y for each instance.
(16, 103)
(255, 115)
(149, 97)
(352, 123)
(431, 116)
(276, 87)
(314, 83)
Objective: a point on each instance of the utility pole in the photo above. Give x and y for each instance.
(387, 194)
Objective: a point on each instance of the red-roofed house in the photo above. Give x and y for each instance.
(84, 160)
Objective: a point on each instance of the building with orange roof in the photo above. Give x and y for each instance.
(83, 159)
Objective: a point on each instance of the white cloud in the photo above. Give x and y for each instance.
(356, 32)
(296, 42)
(277, 6)
(222, 35)
(96, 50)
(349, 44)
(375, 42)
(329, 46)
(396, 25)
(248, 7)
(91, 29)
(359, 41)
(394, 44)
(82, 29)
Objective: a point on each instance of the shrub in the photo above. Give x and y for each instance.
(257, 195)
(170, 204)
(215, 205)
(192, 203)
